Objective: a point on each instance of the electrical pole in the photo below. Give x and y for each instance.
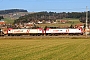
(86, 20)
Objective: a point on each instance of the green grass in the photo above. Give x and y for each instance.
(8, 20)
(72, 21)
(53, 25)
(45, 49)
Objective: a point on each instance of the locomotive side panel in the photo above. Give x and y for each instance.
(56, 31)
(17, 31)
(25, 31)
(75, 31)
(66, 31)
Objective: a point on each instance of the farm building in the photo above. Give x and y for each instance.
(63, 21)
(2, 22)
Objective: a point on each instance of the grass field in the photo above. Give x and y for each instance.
(8, 20)
(45, 49)
(72, 21)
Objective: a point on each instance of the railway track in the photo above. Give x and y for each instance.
(5, 37)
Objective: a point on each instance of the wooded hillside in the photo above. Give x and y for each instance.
(12, 11)
(52, 16)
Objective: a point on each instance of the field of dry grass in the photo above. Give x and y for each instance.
(45, 49)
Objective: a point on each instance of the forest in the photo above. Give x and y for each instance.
(12, 11)
(52, 16)
(1, 17)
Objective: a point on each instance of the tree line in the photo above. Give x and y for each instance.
(12, 11)
(1, 17)
(52, 16)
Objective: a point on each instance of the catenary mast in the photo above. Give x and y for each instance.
(86, 20)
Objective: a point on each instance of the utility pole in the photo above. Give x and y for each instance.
(86, 20)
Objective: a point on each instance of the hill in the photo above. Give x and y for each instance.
(11, 14)
(12, 11)
(50, 17)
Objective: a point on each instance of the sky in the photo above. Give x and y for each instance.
(46, 5)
